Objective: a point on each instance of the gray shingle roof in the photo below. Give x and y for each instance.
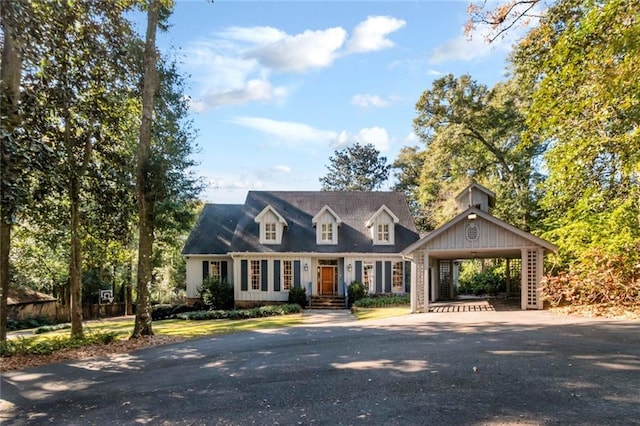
(299, 208)
(214, 231)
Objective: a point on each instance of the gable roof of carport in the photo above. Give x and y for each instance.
(486, 216)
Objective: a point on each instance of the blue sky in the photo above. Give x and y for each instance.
(278, 86)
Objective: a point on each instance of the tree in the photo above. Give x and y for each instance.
(473, 132)
(356, 168)
(502, 18)
(581, 62)
(84, 61)
(408, 169)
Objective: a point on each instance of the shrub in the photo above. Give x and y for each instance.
(298, 295)
(23, 346)
(48, 328)
(215, 294)
(13, 325)
(380, 301)
(162, 311)
(236, 314)
(491, 281)
(355, 292)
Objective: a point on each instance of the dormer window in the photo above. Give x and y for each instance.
(326, 232)
(272, 225)
(326, 223)
(270, 231)
(382, 226)
(383, 232)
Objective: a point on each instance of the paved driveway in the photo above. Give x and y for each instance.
(438, 368)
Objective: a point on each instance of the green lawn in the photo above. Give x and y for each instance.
(380, 313)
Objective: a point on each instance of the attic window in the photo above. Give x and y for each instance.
(472, 232)
(270, 231)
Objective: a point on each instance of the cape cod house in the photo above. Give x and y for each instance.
(324, 241)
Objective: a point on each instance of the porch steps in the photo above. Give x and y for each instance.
(327, 302)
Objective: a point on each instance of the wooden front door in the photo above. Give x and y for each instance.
(328, 280)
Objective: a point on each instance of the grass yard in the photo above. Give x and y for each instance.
(381, 313)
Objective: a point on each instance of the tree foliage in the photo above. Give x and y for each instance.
(582, 62)
(473, 132)
(356, 168)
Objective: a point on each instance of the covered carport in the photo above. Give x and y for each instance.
(474, 234)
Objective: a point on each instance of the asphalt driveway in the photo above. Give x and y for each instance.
(466, 368)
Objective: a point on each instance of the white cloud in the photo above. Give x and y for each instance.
(371, 34)
(434, 72)
(291, 132)
(366, 101)
(303, 52)
(234, 66)
(252, 91)
(253, 35)
(377, 136)
(282, 168)
(410, 139)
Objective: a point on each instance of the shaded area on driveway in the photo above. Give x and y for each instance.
(530, 367)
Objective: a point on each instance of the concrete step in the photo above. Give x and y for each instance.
(327, 302)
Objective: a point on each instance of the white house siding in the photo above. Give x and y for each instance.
(270, 295)
(195, 275)
(490, 236)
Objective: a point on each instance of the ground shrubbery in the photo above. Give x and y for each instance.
(355, 292)
(13, 325)
(478, 282)
(235, 314)
(166, 311)
(382, 300)
(606, 280)
(44, 347)
(298, 295)
(216, 294)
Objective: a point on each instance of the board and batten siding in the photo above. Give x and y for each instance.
(195, 273)
(490, 236)
(269, 285)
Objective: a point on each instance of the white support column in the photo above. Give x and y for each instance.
(539, 274)
(530, 287)
(523, 279)
(414, 286)
(426, 281)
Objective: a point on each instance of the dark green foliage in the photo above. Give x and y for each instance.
(382, 300)
(491, 281)
(356, 168)
(167, 311)
(54, 344)
(216, 295)
(48, 328)
(28, 323)
(260, 312)
(355, 292)
(298, 295)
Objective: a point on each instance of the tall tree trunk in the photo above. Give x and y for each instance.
(10, 92)
(143, 185)
(75, 266)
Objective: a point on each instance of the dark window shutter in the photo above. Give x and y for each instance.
(296, 273)
(407, 276)
(276, 275)
(359, 271)
(223, 271)
(205, 269)
(264, 276)
(387, 277)
(378, 277)
(244, 276)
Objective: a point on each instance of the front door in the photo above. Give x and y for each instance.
(328, 278)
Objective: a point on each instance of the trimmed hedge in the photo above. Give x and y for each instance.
(381, 301)
(44, 347)
(236, 314)
(166, 311)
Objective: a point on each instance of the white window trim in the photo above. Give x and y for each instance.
(402, 283)
(320, 219)
(280, 225)
(377, 219)
(251, 275)
(211, 274)
(282, 275)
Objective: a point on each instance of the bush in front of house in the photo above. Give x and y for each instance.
(166, 311)
(490, 282)
(216, 294)
(381, 301)
(298, 295)
(23, 324)
(237, 314)
(355, 292)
